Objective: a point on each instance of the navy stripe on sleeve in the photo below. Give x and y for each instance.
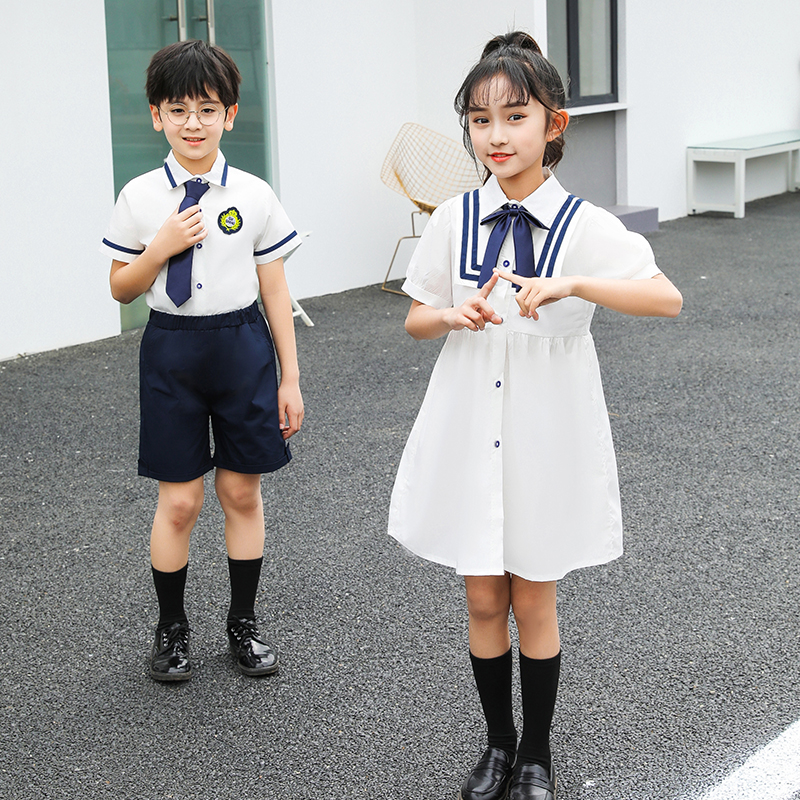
(276, 246)
(123, 249)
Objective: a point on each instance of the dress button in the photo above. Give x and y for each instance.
(506, 263)
(497, 444)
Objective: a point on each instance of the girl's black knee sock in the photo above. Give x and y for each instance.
(539, 678)
(169, 591)
(493, 679)
(244, 576)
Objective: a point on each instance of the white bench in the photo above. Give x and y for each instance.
(736, 152)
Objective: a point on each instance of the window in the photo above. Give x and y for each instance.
(582, 44)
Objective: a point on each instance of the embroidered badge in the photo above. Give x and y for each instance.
(230, 221)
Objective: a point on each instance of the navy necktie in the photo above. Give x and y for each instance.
(179, 273)
(519, 219)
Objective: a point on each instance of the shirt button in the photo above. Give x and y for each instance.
(497, 444)
(199, 285)
(506, 263)
(498, 384)
(199, 245)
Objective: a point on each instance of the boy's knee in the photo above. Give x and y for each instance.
(181, 507)
(240, 494)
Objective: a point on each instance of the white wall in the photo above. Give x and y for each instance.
(700, 71)
(348, 75)
(57, 175)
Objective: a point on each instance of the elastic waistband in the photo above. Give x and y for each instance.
(180, 322)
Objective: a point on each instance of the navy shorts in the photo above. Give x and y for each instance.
(221, 369)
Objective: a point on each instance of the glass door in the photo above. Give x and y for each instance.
(135, 30)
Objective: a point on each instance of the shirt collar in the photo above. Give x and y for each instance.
(176, 175)
(544, 203)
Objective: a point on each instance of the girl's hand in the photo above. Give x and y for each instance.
(181, 230)
(537, 292)
(475, 312)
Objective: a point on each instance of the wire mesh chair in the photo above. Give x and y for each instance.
(428, 168)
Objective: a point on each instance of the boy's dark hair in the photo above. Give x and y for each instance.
(517, 58)
(192, 69)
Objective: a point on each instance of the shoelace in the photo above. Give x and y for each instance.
(245, 629)
(176, 636)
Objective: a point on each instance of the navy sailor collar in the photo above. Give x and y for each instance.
(176, 175)
(544, 203)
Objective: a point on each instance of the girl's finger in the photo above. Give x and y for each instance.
(487, 287)
(485, 310)
(506, 276)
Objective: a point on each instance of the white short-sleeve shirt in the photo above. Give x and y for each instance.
(510, 464)
(246, 226)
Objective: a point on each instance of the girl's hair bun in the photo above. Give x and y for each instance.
(516, 39)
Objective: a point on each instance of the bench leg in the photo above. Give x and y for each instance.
(691, 170)
(738, 192)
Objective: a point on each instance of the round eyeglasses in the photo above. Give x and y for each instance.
(178, 115)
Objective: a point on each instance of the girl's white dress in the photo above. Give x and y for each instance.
(510, 465)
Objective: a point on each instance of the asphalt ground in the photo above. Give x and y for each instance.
(680, 659)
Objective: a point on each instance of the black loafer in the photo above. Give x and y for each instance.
(254, 655)
(489, 778)
(532, 782)
(169, 660)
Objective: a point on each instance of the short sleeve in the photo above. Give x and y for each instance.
(429, 277)
(605, 248)
(121, 241)
(278, 237)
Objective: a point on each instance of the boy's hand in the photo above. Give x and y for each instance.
(537, 292)
(290, 408)
(181, 230)
(475, 312)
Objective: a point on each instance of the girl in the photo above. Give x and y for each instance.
(509, 473)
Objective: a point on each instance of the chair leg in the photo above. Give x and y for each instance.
(297, 311)
(391, 264)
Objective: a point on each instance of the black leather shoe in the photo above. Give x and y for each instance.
(254, 655)
(489, 778)
(169, 660)
(532, 782)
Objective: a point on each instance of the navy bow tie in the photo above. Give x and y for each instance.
(519, 219)
(179, 273)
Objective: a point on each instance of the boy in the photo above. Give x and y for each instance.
(201, 240)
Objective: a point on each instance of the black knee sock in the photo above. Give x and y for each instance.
(493, 679)
(539, 678)
(169, 591)
(244, 585)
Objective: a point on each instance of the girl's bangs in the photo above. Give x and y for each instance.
(484, 89)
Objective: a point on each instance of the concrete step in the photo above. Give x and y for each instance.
(640, 219)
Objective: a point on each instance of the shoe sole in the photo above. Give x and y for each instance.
(162, 678)
(505, 795)
(255, 673)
